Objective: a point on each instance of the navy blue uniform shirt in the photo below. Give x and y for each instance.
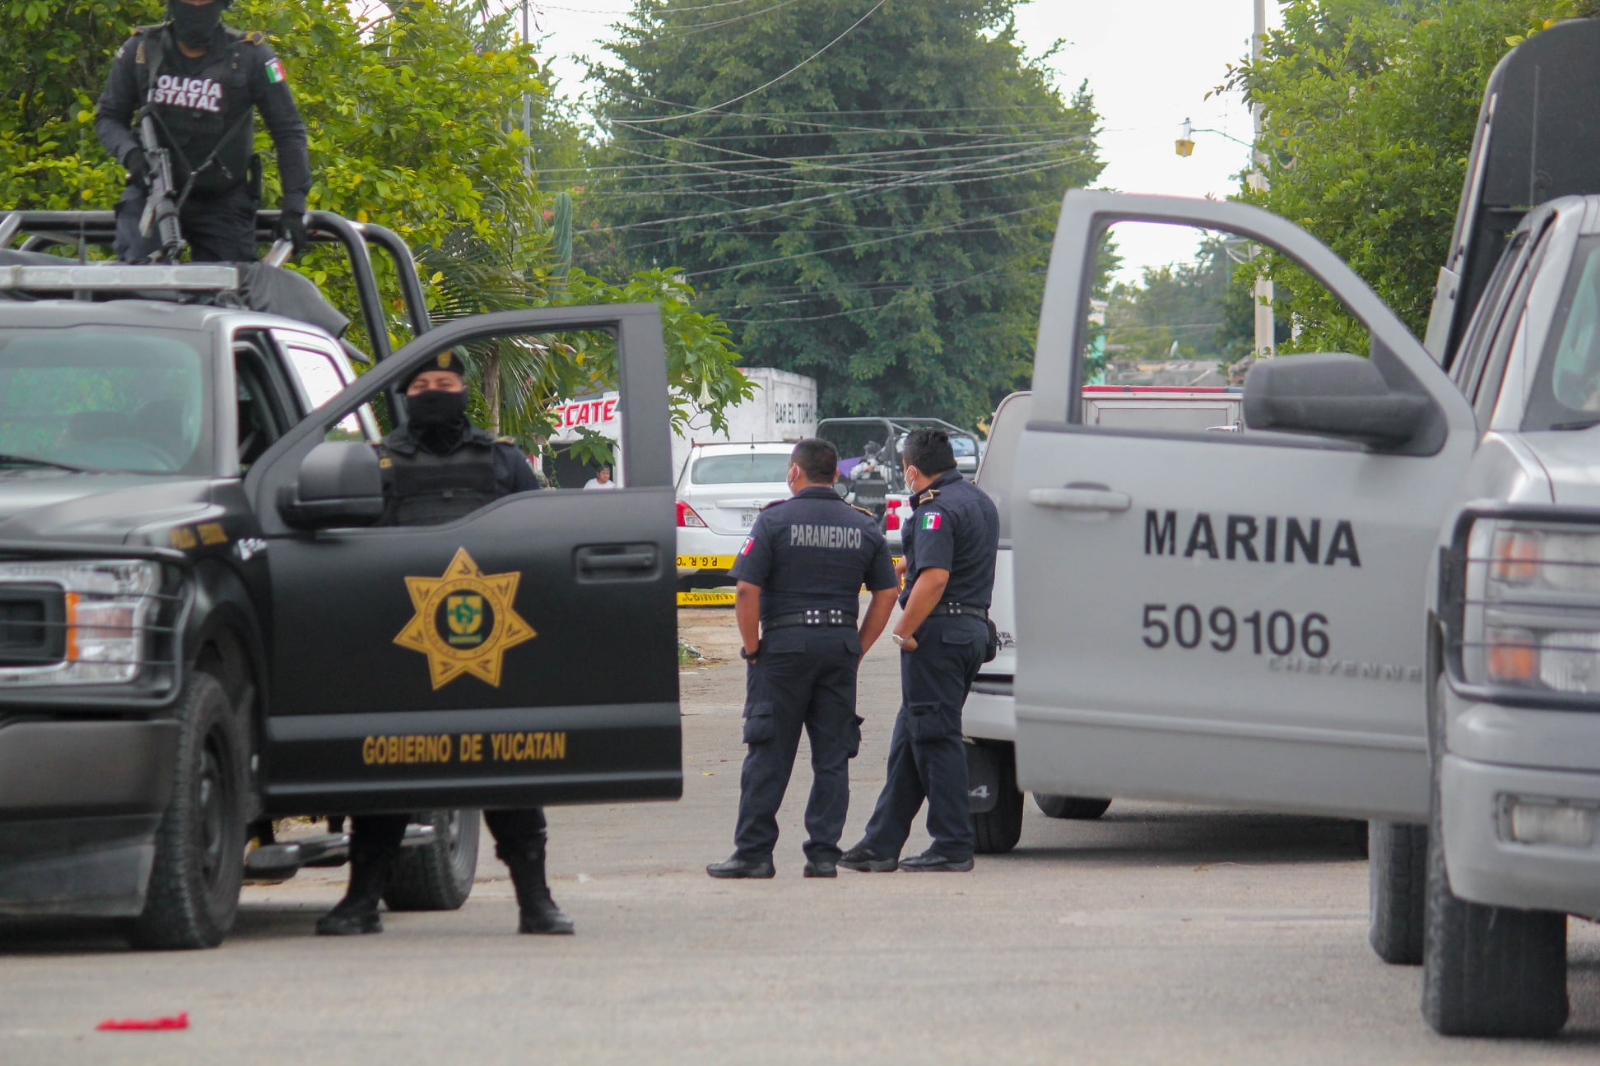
(813, 550)
(954, 527)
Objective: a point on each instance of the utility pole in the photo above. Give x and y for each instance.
(1265, 326)
(527, 103)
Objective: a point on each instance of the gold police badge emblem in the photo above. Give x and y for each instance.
(465, 621)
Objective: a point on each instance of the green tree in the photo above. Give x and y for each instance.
(414, 120)
(1368, 111)
(1193, 305)
(866, 188)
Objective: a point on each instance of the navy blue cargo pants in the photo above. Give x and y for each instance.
(927, 757)
(219, 229)
(804, 677)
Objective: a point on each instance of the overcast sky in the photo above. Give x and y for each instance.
(1149, 65)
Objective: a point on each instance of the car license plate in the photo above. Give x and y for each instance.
(747, 518)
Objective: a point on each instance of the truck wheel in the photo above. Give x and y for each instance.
(199, 864)
(1489, 971)
(1079, 807)
(996, 831)
(438, 876)
(1397, 876)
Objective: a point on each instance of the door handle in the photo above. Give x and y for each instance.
(597, 559)
(1075, 498)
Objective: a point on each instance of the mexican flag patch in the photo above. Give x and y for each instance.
(748, 541)
(275, 72)
(931, 520)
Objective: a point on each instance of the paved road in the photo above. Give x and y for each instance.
(1159, 934)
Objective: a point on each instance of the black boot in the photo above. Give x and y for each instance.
(357, 913)
(539, 911)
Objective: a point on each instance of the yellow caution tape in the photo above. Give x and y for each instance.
(705, 599)
(706, 562)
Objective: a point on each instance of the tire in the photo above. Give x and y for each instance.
(199, 865)
(437, 877)
(1079, 807)
(1397, 877)
(997, 831)
(1489, 971)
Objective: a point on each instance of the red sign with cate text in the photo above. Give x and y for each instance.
(587, 412)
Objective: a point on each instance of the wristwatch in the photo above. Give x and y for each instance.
(749, 656)
(899, 641)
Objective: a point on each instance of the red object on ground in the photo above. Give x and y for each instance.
(179, 1021)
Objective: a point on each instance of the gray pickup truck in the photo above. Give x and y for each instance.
(1383, 601)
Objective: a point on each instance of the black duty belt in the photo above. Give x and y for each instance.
(960, 608)
(815, 616)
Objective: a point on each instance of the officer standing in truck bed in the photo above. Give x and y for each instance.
(943, 634)
(203, 82)
(800, 575)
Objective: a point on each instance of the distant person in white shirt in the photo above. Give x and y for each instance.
(601, 480)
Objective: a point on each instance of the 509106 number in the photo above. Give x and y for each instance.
(1226, 630)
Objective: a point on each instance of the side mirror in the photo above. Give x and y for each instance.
(339, 485)
(1331, 395)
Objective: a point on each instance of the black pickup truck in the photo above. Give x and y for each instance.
(201, 631)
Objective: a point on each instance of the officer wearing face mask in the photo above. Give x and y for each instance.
(203, 82)
(439, 467)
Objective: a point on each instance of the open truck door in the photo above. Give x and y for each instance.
(523, 655)
(1231, 617)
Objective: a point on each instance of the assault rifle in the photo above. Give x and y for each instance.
(162, 203)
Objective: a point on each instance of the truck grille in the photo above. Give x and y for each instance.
(32, 626)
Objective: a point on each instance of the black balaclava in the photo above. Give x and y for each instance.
(436, 409)
(194, 25)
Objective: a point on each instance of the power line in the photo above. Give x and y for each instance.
(701, 27)
(874, 187)
(759, 88)
(863, 244)
(891, 305)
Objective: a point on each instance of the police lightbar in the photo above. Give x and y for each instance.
(110, 277)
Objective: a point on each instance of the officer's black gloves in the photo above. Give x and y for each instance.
(292, 224)
(138, 168)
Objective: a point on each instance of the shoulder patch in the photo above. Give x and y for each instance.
(864, 511)
(926, 497)
(256, 37)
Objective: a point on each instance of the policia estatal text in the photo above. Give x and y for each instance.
(799, 578)
(203, 82)
(943, 634)
(439, 467)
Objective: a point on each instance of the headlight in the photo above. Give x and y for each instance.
(1531, 611)
(75, 622)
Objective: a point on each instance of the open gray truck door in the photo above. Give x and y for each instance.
(1195, 610)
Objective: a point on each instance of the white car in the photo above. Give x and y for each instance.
(720, 491)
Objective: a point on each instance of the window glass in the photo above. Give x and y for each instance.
(1469, 362)
(261, 418)
(322, 378)
(104, 399)
(1566, 390)
(754, 467)
(1176, 315)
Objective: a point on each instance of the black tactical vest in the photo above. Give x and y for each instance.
(202, 113)
(426, 489)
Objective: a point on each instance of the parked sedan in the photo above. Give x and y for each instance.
(720, 491)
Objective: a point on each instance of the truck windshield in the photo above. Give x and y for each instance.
(1566, 390)
(741, 469)
(98, 398)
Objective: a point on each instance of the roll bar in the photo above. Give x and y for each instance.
(40, 229)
